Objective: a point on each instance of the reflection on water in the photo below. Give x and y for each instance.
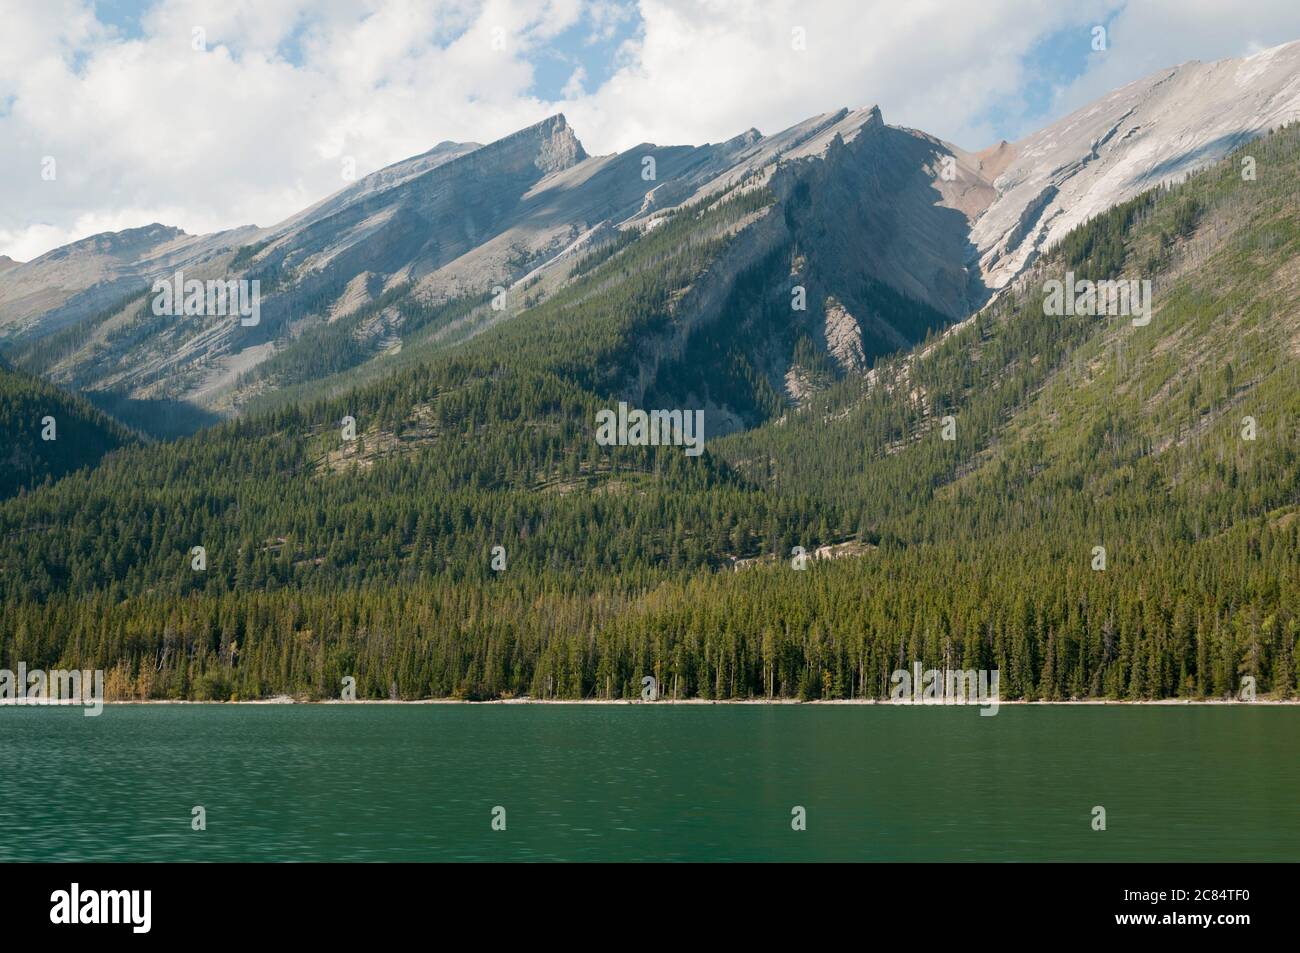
(649, 782)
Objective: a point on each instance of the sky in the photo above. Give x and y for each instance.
(209, 114)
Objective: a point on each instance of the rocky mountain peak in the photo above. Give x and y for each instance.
(552, 140)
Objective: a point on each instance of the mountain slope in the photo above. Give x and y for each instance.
(890, 232)
(48, 293)
(1152, 131)
(328, 556)
(442, 230)
(48, 433)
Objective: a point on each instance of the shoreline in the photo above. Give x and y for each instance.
(774, 702)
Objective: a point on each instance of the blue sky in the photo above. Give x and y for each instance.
(579, 46)
(1051, 63)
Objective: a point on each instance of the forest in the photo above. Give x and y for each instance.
(1171, 448)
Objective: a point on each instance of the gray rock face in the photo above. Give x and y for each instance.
(877, 207)
(389, 177)
(844, 339)
(409, 220)
(77, 280)
(1155, 130)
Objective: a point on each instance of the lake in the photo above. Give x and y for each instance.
(649, 782)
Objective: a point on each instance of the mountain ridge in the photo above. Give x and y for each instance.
(1169, 123)
(443, 229)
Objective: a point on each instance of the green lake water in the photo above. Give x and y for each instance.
(649, 782)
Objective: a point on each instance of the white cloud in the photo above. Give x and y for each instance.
(573, 89)
(148, 129)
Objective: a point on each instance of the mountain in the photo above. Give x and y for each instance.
(1093, 506)
(441, 230)
(1155, 130)
(47, 293)
(891, 232)
(1170, 445)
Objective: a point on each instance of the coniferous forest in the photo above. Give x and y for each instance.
(959, 492)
